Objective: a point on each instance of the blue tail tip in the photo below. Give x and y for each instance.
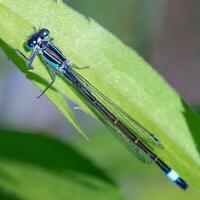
(175, 178)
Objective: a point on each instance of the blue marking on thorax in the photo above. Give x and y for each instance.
(56, 66)
(57, 51)
(53, 56)
(50, 59)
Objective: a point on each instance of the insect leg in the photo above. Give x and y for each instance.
(53, 76)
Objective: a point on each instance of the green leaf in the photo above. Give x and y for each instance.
(133, 177)
(116, 70)
(39, 167)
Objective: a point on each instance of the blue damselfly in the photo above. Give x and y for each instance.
(127, 130)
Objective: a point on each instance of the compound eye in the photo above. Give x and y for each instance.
(44, 33)
(31, 44)
(34, 42)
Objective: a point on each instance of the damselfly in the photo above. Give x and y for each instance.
(132, 134)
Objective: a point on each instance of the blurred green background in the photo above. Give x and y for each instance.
(166, 33)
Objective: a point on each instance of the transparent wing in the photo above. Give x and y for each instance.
(139, 131)
(135, 129)
(127, 142)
